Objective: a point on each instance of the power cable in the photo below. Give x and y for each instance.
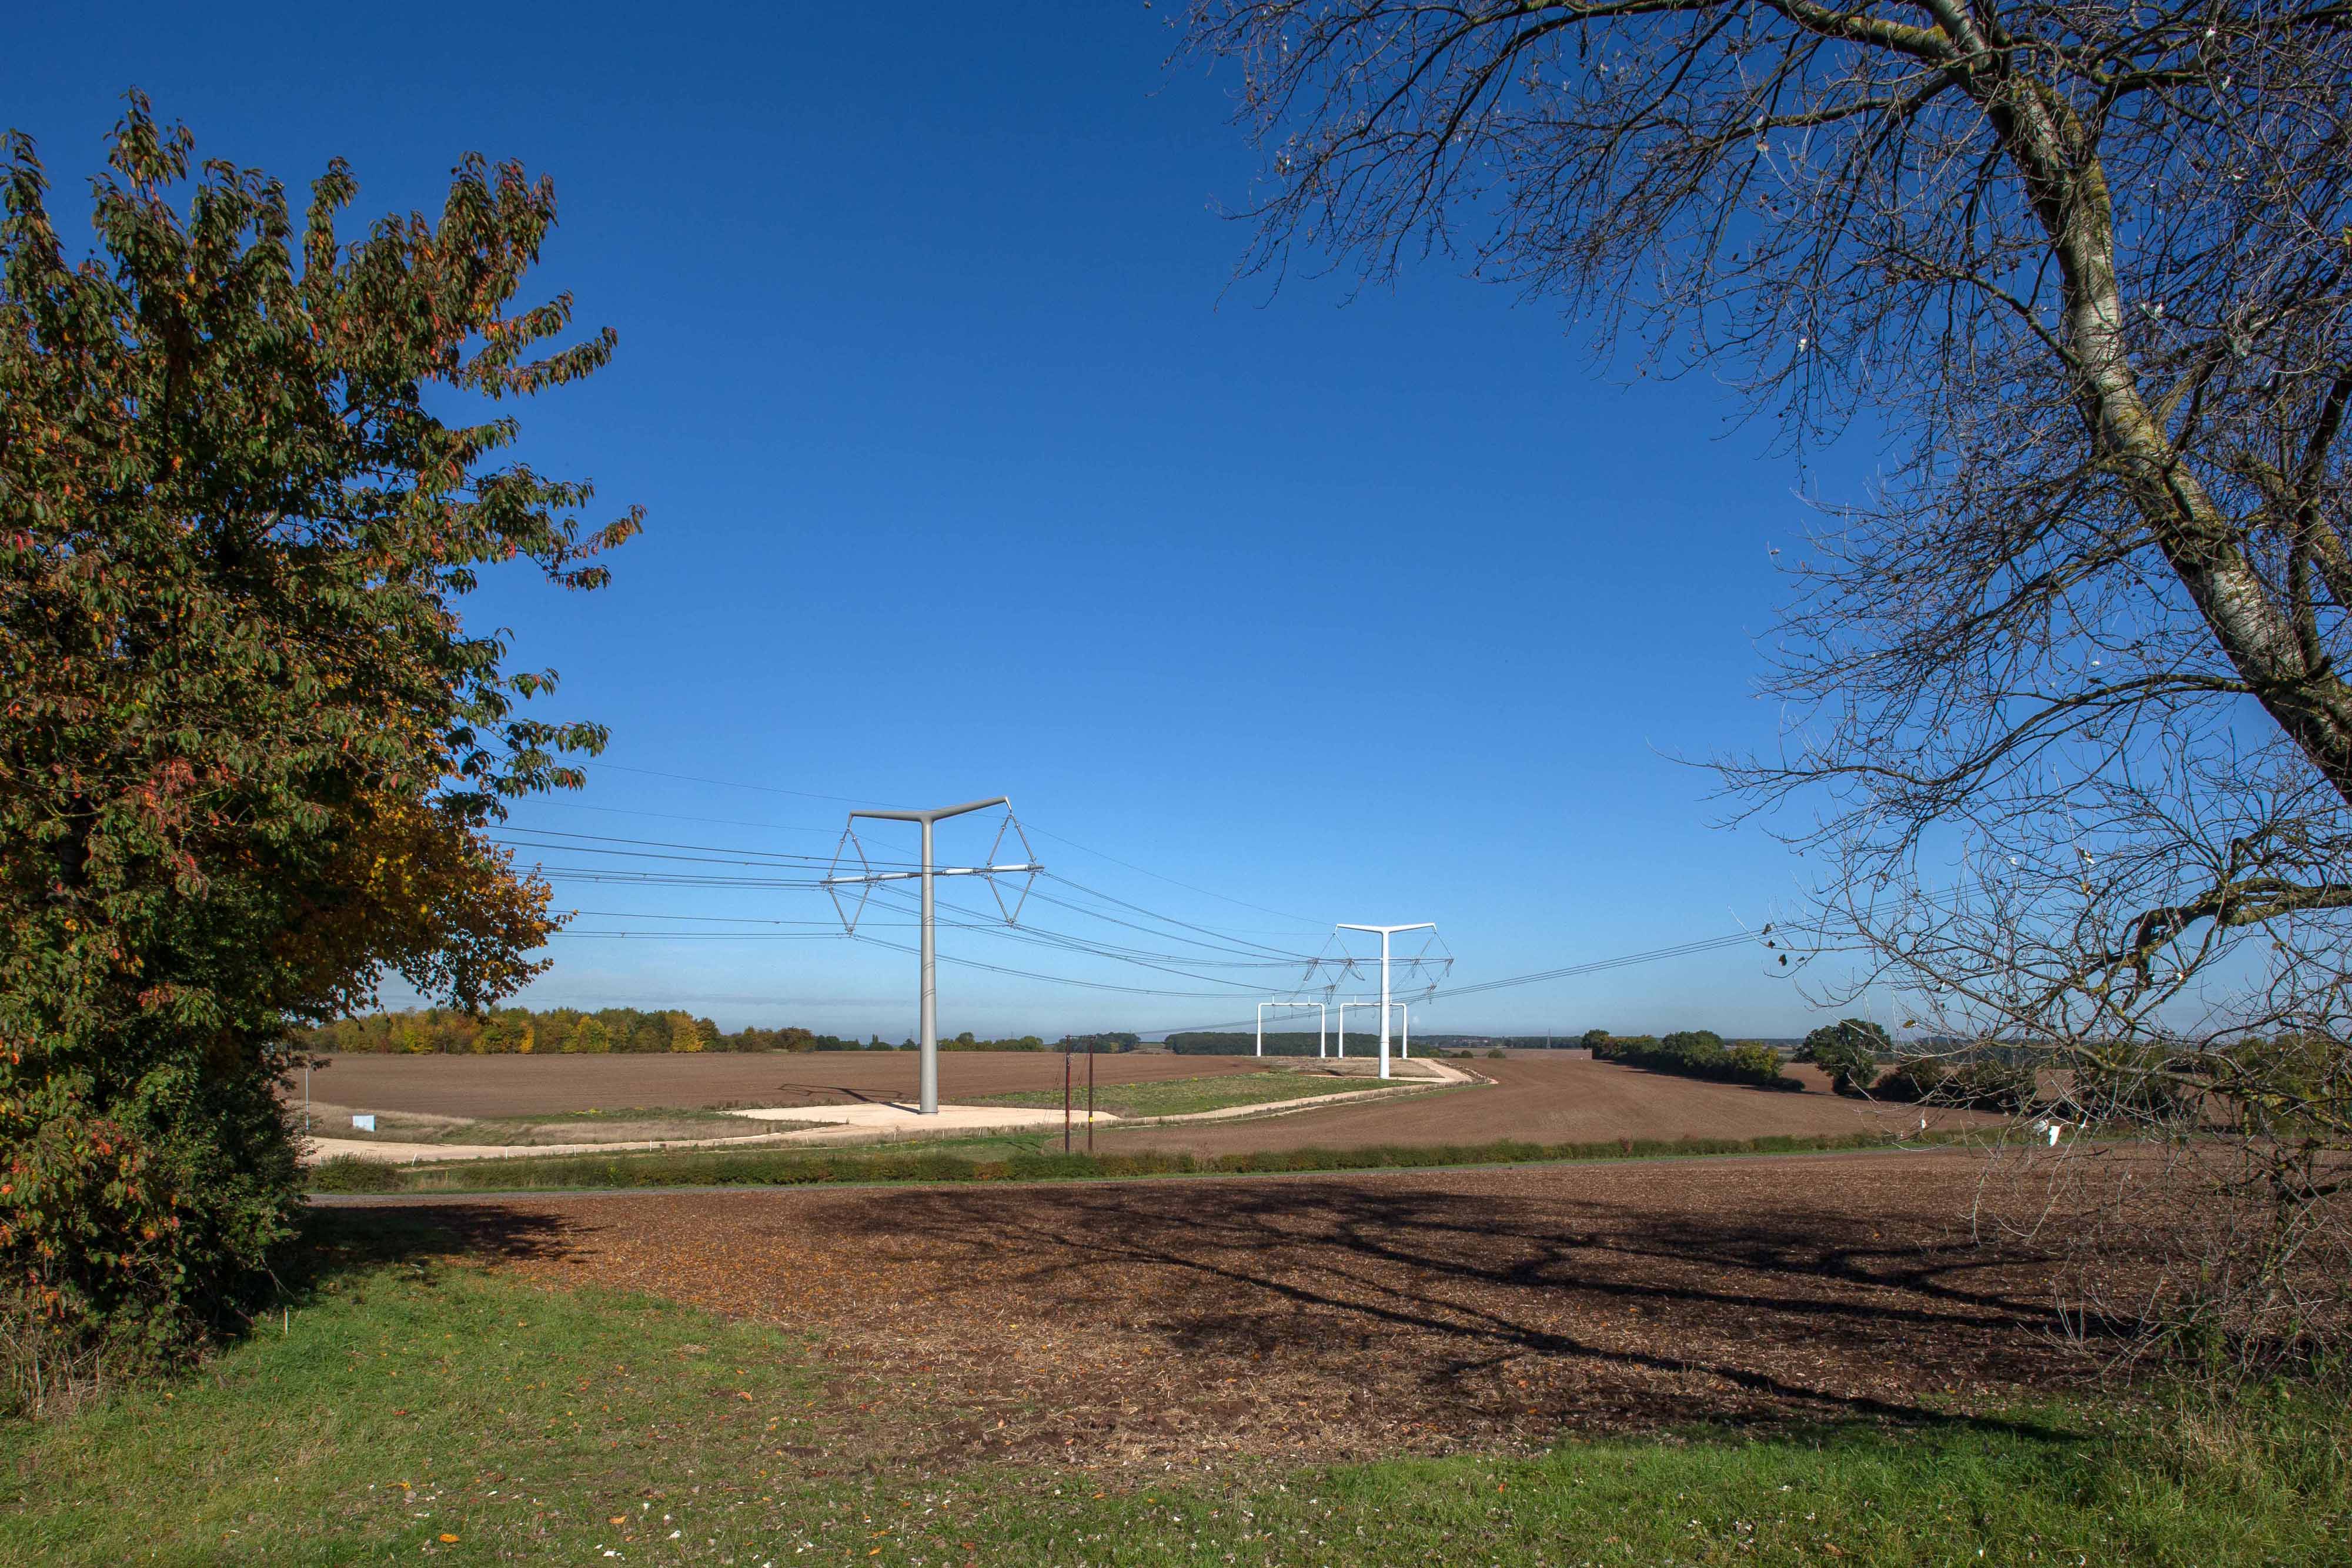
(1054, 979)
(1171, 882)
(670, 879)
(846, 801)
(731, 784)
(703, 919)
(675, 817)
(1250, 949)
(763, 857)
(703, 936)
(1704, 945)
(1151, 914)
(1066, 942)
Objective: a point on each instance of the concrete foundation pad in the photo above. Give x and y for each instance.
(906, 1118)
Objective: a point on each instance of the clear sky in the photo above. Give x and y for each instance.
(968, 474)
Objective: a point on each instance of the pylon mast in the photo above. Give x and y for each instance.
(927, 1072)
(1385, 932)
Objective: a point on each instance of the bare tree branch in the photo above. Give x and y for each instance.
(2069, 744)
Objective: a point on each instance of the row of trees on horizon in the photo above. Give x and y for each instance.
(526, 1032)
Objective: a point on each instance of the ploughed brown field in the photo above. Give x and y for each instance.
(545, 1085)
(1536, 1101)
(1533, 1101)
(1340, 1316)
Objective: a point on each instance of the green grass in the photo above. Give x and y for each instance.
(1004, 1159)
(405, 1399)
(1188, 1096)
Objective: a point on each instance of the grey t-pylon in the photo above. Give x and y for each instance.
(927, 1089)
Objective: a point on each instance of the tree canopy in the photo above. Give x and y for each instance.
(1849, 1051)
(249, 745)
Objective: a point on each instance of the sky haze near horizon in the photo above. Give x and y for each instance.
(971, 470)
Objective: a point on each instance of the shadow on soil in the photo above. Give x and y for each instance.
(335, 1244)
(1436, 1305)
(1404, 1318)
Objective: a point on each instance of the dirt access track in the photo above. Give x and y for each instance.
(1331, 1317)
(545, 1085)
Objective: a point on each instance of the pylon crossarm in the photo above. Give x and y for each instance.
(873, 876)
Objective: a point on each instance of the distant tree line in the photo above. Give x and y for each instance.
(526, 1032)
(1198, 1043)
(1694, 1054)
(1102, 1043)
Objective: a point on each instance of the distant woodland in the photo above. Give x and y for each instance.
(523, 1032)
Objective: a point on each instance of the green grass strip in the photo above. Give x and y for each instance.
(802, 1167)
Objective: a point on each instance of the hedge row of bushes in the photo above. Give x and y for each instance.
(752, 1167)
(1983, 1085)
(1698, 1053)
(2122, 1085)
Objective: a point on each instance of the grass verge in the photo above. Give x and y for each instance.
(409, 1407)
(801, 1167)
(1190, 1096)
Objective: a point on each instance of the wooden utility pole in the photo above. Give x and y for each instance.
(1066, 1094)
(1090, 1094)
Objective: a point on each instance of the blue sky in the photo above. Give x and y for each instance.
(967, 473)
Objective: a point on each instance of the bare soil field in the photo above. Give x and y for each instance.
(1555, 1101)
(1337, 1317)
(475, 1086)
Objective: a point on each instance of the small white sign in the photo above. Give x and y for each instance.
(364, 1124)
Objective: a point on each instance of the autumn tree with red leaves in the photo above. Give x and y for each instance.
(248, 749)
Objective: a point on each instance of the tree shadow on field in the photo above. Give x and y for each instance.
(333, 1245)
(1482, 1311)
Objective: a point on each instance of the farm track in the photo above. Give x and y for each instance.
(1340, 1316)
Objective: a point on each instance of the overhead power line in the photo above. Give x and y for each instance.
(1171, 882)
(1032, 974)
(703, 919)
(983, 924)
(1313, 924)
(1567, 971)
(583, 841)
(722, 783)
(1704, 945)
(1214, 948)
(669, 817)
